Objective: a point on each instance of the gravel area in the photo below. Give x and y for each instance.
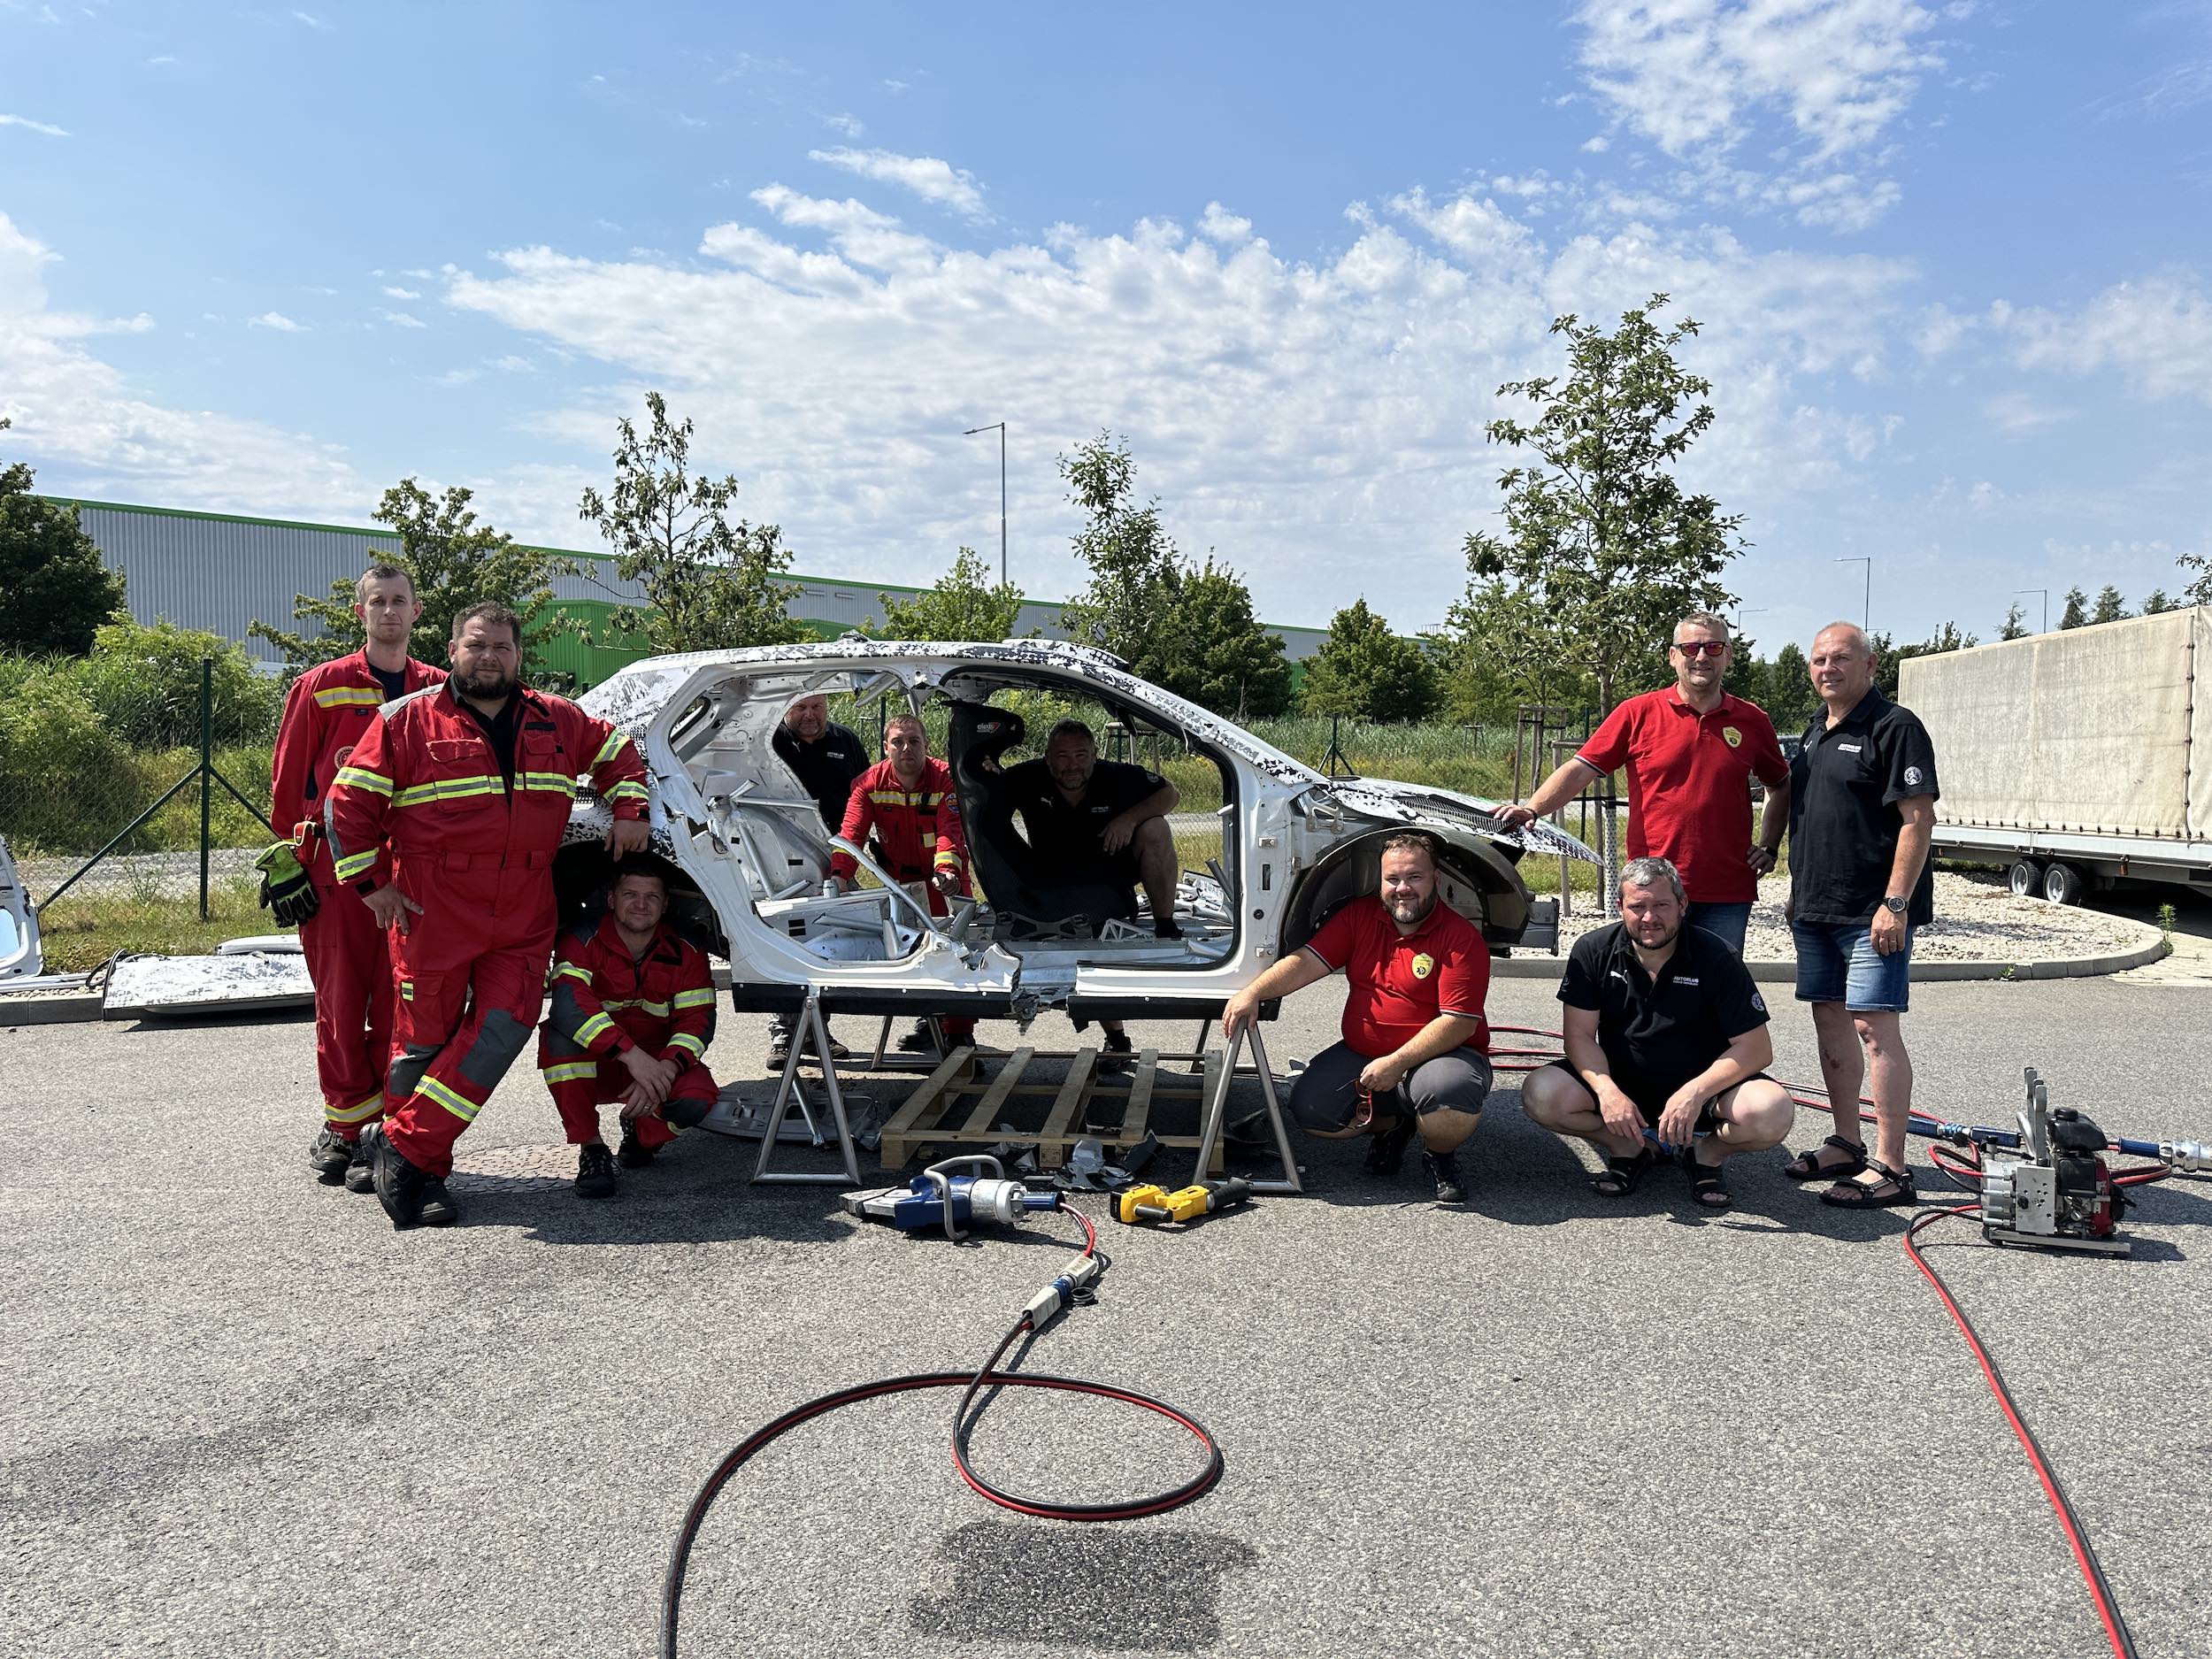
(1975, 920)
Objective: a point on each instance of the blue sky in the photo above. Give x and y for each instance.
(1950, 262)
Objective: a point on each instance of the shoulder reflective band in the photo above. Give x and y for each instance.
(701, 998)
(617, 741)
(343, 696)
(361, 778)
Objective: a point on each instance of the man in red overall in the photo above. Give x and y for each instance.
(326, 712)
(445, 820)
(632, 1012)
(907, 800)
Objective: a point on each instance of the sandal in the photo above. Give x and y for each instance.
(1806, 1166)
(1708, 1191)
(1870, 1194)
(1622, 1176)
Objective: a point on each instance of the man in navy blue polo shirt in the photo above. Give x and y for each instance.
(1862, 808)
(1666, 1040)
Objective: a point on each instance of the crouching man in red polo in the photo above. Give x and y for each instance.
(633, 1015)
(1415, 1057)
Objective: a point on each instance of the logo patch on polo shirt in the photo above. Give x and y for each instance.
(1758, 1001)
(1423, 965)
(1735, 737)
(1848, 749)
(1912, 775)
(1681, 978)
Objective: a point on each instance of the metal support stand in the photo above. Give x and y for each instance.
(789, 1088)
(1217, 1110)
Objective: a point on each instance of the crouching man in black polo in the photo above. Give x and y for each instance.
(1664, 1029)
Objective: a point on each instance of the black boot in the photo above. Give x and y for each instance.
(329, 1156)
(1387, 1150)
(438, 1208)
(595, 1171)
(399, 1184)
(633, 1154)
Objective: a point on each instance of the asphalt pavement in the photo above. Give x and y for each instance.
(241, 1416)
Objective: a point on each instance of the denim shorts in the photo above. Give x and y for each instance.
(1726, 922)
(1837, 963)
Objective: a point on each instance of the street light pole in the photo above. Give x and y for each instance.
(1866, 608)
(2045, 592)
(998, 426)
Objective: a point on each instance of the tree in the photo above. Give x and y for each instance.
(2076, 612)
(58, 594)
(455, 561)
(2199, 592)
(2156, 603)
(1131, 559)
(1366, 673)
(1212, 650)
(709, 583)
(964, 604)
(1947, 638)
(2015, 622)
(1789, 687)
(1496, 651)
(2110, 606)
(1601, 540)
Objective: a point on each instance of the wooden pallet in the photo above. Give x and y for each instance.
(1083, 1104)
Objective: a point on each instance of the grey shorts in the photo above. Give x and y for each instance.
(1325, 1095)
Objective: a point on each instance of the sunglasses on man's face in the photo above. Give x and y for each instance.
(1701, 648)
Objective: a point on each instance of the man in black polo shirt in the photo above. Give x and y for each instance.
(1666, 1040)
(1862, 808)
(828, 759)
(1090, 820)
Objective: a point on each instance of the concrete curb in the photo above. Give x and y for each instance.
(1922, 972)
(49, 1010)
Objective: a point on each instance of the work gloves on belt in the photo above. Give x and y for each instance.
(286, 892)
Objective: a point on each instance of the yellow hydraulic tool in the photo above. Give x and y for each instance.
(1158, 1207)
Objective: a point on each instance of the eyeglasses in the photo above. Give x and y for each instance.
(1701, 648)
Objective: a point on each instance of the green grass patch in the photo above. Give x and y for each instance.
(87, 928)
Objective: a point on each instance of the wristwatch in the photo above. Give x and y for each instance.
(1894, 906)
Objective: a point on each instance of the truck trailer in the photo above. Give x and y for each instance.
(2070, 756)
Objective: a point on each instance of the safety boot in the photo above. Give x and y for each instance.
(1443, 1168)
(595, 1171)
(438, 1208)
(329, 1156)
(633, 1154)
(399, 1184)
(360, 1174)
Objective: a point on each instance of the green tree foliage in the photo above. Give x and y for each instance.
(49, 569)
(964, 604)
(2076, 612)
(145, 684)
(1364, 672)
(2199, 592)
(1789, 698)
(1601, 541)
(710, 581)
(1498, 651)
(1189, 628)
(2015, 622)
(1131, 557)
(455, 561)
(2156, 603)
(2110, 607)
(1213, 651)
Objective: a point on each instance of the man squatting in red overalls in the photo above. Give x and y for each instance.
(632, 1012)
(909, 800)
(445, 820)
(326, 712)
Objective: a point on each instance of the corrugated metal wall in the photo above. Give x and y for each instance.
(220, 575)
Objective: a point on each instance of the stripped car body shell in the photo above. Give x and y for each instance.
(733, 820)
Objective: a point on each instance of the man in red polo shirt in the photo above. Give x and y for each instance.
(1415, 1054)
(1690, 751)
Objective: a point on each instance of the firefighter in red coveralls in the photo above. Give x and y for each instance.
(907, 799)
(446, 819)
(632, 1012)
(326, 712)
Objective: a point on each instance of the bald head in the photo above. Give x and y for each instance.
(1842, 666)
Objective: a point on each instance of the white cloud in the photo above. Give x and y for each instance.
(277, 320)
(401, 320)
(311, 22)
(1598, 145)
(2016, 413)
(401, 294)
(846, 125)
(77, 420)
(1306, 420)
(25, 121)
(2157, 334)
(1695, 76)
(156, 62)
(931, 180)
